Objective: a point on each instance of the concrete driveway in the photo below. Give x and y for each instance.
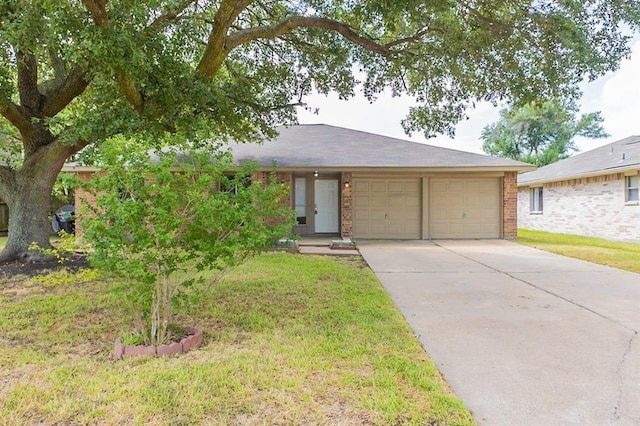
(523, 336)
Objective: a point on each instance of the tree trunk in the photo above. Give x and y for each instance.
(28, 196)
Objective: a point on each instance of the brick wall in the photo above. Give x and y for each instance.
(346, 222)
(285, 178)
(591, 206)
(509, 205)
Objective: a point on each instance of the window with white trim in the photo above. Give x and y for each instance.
(632, 188)
(536, 200)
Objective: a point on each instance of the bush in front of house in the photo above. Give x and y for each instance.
(171, 221)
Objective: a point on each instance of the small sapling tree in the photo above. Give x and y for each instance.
(166, 222)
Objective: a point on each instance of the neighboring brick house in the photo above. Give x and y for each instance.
(594, 193)
(357, 184)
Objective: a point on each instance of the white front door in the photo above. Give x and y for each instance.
(326, 205)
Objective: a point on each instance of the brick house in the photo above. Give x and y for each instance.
(361, 185)
(594, 193)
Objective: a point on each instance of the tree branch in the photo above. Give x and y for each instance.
(289, 24)
(217, 50)
(15, 115)
(98, 10)
(170, 15)
(131, 92)
(71, 87)
(28, 80)
(261, 108)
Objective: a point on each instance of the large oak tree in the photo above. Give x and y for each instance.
(74, 73)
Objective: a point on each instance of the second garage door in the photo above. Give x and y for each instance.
(386, 208)
(464, 208)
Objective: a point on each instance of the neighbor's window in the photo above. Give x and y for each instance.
(301, 200)
(632, 188)
(536, 199)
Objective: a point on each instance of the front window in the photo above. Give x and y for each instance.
(536, 200)
(632, 188)
(301, 200)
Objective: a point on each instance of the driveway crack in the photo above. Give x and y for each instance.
(620, 374)
(559, 296)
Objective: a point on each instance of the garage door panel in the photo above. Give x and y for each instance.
(455, 200)
(395, 186)
(412, 201)
(378, 200)
(455, 186)
(362, 200)
(379, 187)
(361, 215)
(465, 208)
(490, 213)
(472, 200)
(439, 186)
(396, 200)
(412, 187)
(378, 214)
(394, 208)
(412, 216)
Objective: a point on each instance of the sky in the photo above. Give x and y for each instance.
(616, 95)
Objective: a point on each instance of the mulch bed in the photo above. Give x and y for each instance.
(31, 269)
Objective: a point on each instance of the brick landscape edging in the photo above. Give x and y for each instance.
(194, 340)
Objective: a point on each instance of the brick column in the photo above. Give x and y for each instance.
(346, 210)
(509, 205)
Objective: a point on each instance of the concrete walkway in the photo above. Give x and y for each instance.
(523, 336)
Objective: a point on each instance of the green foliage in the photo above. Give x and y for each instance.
(540, 133)
(64, 187)
(64, 277)
(162, 224)
(65, 246)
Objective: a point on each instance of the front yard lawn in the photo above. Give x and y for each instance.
(605, 252)
(289, 339)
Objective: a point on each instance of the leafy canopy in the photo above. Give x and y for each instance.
(540, 133)
(234, 68)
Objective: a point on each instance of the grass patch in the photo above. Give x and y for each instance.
(604, 252)
(288, 340)
(3, 241)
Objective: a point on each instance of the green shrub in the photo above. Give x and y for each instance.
(164, 226)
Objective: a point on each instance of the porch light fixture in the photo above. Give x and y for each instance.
(315, 173)
(347, 184)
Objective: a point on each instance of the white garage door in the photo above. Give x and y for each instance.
(464, 208)
(386, 208)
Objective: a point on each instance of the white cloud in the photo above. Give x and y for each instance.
(617, 96)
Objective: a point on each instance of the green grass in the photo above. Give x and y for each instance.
(605, 252)
(3, 241)
(289, 339)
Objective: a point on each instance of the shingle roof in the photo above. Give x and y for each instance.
(612, 158)
(324, 146)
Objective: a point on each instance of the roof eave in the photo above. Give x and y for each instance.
(600, 172)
